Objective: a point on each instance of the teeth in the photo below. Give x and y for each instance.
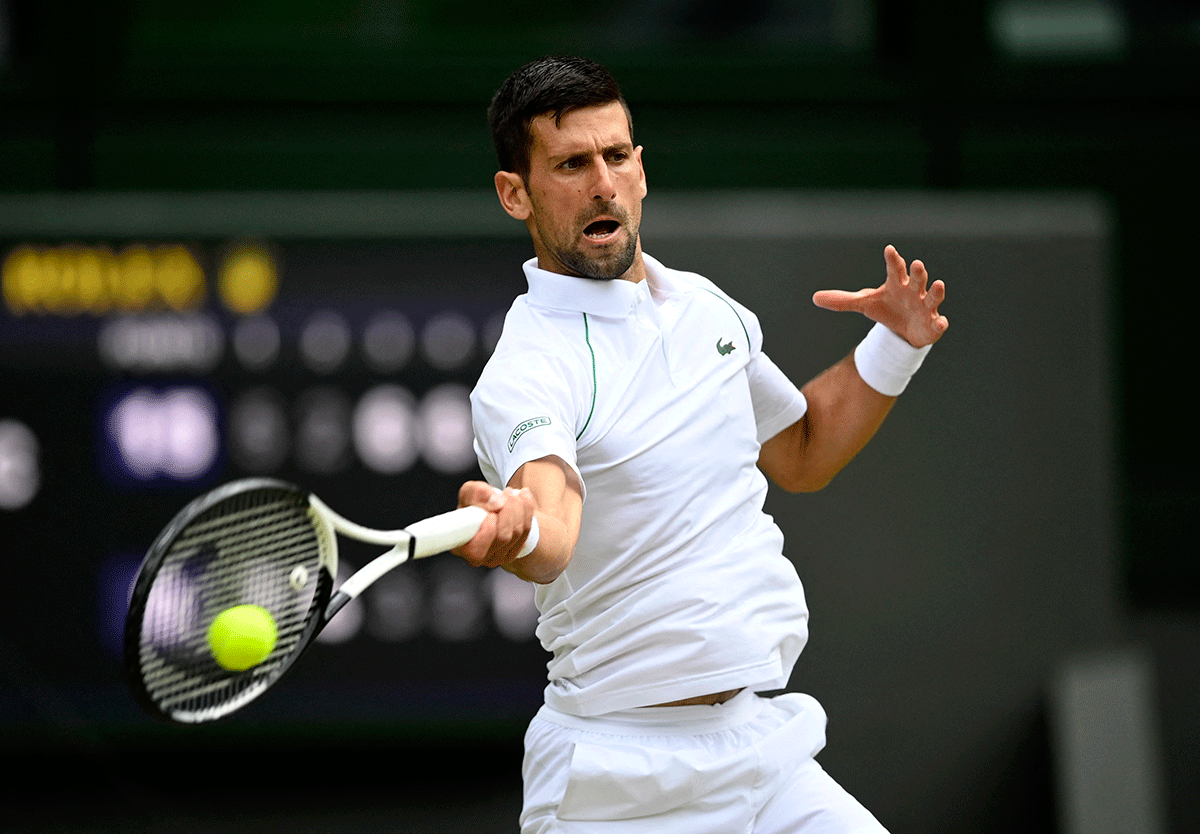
(602, 230)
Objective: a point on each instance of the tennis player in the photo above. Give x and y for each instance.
(624, 425)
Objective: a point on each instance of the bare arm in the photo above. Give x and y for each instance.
(545, 488)
(843, 411)
(843, 414)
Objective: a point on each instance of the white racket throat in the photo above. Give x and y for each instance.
(423, 538)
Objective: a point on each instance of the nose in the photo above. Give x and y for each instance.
(603, 188)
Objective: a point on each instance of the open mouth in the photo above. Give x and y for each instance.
(601, 228)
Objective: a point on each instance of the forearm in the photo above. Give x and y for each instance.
(843, 415)
(552, 554)
(846, 406)
(559, 507)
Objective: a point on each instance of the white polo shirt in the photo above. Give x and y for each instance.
(658, 394)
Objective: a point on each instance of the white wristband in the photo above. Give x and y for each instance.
(886, 362)
(531, 540)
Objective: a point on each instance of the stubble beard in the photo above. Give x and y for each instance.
(603, 267)
(608, 266)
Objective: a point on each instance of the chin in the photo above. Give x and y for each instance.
(607, 268)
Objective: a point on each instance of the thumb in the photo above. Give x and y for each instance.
(839, 300)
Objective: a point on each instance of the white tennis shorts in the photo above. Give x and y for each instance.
(743, 766)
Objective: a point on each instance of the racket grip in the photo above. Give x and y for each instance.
(446, 531)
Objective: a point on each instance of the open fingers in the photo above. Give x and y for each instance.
(907, 302)
(841, 300)
(919, 276)
(897, 270)
(936, 295)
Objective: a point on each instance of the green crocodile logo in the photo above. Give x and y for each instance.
(724, 349)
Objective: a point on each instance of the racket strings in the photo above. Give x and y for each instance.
(260, 547)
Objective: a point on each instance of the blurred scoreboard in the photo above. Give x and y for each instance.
(153, 347)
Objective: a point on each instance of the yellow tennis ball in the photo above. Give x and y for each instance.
(242, 636)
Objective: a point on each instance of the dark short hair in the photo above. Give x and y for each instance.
(555, 85)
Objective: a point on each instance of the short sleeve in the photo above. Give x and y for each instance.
(777, 401)
(525, 406)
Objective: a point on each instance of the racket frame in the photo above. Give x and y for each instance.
(423, 538)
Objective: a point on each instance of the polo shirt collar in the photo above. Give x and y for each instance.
(601, 298)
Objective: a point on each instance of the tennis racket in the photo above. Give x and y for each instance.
(257, 541)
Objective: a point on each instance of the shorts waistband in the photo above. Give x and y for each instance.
(664, 720)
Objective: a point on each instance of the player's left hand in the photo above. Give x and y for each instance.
(902, 303)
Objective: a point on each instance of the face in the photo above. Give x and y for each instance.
(582, 200)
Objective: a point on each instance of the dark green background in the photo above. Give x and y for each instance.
(159, 95)
(227, 96)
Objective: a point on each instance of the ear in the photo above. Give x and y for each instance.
(510, 188)
(637, 154)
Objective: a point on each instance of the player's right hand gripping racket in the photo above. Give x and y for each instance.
(256, 541)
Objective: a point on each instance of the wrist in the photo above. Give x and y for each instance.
(886, 362)
(531, 541)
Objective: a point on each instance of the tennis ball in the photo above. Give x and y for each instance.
(242, 636)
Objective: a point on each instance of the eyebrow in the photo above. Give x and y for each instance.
(622, 146)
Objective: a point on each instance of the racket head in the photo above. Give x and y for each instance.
(253, 541)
